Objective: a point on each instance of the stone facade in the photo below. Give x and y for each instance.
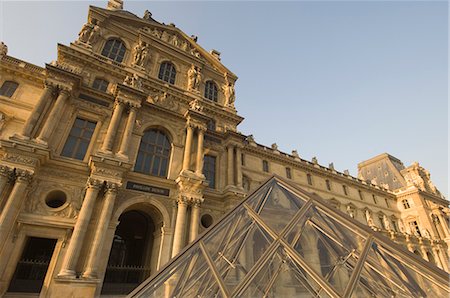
(79, 201)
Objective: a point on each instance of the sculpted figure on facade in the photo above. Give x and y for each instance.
(133, 81)
(195, 106)
(351, 211)
(228, 91)
(3, 49)
(369, 218)
(147, 15)
(387, 223)
(194, 78)
(140, 52)
(90, 32)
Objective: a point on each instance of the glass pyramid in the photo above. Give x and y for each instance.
(282, 241)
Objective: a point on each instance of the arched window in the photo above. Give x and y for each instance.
(211, 91)
(114, 49)
(8, 88)
(167, 72)
(154, 153)
(100, 84)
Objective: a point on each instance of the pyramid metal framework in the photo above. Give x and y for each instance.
(282, 241)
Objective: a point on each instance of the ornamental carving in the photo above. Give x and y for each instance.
(3, 49)
(15, 158)
(175, 40)
(133, 81)
(228, 91)
(140, 54)
(94, 183)
(165, 100)
(106, 172)
(90, 33)
(66, 67)
(194, 79)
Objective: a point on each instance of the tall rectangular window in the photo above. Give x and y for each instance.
(265, 165)
(387, 203)
(79, 138)
(344, 188)
(406, 204)
(242, 159)
(328, 183)
(309, 178)
(209, 170)
(374, 198)
(361, 197)
(288, 173)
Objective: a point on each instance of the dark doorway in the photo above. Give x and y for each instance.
(32, 266)
(129, 259)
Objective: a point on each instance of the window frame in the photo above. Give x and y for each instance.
(116, 54)
(288, 173)
(214, 93)
(101, 80)
(68, 135)
(169, 75)
(214, 157)
(8, 93)
(265, 166)
(153, 154)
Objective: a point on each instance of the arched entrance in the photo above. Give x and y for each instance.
(131, 253)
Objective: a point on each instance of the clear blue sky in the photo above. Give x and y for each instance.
(343, 81)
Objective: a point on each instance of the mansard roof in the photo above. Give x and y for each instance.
(282, 241)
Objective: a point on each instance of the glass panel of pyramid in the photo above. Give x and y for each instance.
(282, 241)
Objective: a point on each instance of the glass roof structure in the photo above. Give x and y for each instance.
(282, 241)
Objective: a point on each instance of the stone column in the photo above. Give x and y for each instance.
(100, 232)
(79, 231)
(5, 175)
(54, 116)
(125, 144)
(113, 125)
(187, 148)
(444, 224)
(37, 111)
(180, 226)
(195, 218)
(199, 160)
(230, 170)
(14, 203)
(238, 167)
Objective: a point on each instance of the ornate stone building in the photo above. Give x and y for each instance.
(121, 151)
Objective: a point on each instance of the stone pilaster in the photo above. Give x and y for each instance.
(178, 237)
(14, 203)
(113, 125)
(195, 219)
(54, 116)
(91, 270)
(200, 152)
(126, 139)
(5, 176)
(230, 167)
(49, 91)
(79, 231)
(187, 148)
(238, 167)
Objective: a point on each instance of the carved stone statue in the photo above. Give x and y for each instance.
(387, 223)
(147, 15)
(195, 106)
(295, 153)
(133, 81)
(314, 160)
(90, 32)
(194, 78)
(228, 91)
(351, 211)
(3, 49)
(140, 52)
(401, 226)
(274, 147)
(369, 218)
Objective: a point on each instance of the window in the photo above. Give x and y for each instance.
(374, 198)
(211, 125)
(211, 91)
(328, 183)
(242, 159)
(387, 203)
(309, 178)
(381, 220)
(415, 228)
(209, 170)
(79, 138)
(361, 197)
(405, 203)
(288, 173)
(344, 188)
(100, 84)
(167, 72)
(265, 165)
(153, 155)
(8, 88)
(114, 49)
